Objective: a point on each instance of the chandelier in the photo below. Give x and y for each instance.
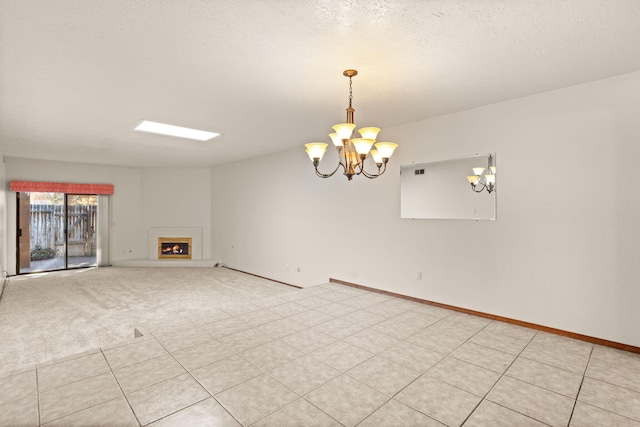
(352, 152)
(483, 181)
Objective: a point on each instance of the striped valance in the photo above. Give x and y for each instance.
(60, 187)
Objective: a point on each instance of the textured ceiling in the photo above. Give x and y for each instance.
(77, 76)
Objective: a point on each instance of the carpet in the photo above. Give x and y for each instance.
(47, 316)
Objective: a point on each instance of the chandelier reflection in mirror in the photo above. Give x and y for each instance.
(352, 152)
(483, 178)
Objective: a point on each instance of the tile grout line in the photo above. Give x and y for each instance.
(544, 388)
(419, 376)
(38, 396)
(447, 355)
(424, 373)
(120, 387)
(584, 374)
(302, 397)
(322, 410)
(609, 383)
(482, 399)
(89, 407)
(198, 382)
(555, 367)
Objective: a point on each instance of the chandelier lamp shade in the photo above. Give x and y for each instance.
(352, 152)
(483, 178)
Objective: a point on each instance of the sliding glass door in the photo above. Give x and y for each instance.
(41, 232)
(56, 231)
(81, 230)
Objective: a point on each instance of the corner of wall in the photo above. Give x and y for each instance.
(3, 222)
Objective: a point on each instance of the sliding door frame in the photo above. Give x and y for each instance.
(95, 231)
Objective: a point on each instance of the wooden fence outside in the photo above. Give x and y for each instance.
(47, 228)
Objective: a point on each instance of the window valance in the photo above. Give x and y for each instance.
(60, 187)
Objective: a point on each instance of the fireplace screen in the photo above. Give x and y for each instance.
(174, 247)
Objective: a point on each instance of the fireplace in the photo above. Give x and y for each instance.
(174, 247)
(171, 235)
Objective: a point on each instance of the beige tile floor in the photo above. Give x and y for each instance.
(331, 355)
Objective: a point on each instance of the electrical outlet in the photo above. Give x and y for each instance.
(419, 275)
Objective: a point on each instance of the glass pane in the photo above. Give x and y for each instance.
(41, 230)
(81, 230)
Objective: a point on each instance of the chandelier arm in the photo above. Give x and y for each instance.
(328, 175)
(372, 175)
(480, 190)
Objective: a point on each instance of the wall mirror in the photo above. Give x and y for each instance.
(441, 189)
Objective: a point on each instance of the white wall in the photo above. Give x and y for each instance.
(562, 253)
(3, 222)
(143, 198)
(128, 235)
(178, 198)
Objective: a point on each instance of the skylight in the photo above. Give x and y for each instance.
(180, 132)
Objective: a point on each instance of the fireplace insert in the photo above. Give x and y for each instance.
(174, 248)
